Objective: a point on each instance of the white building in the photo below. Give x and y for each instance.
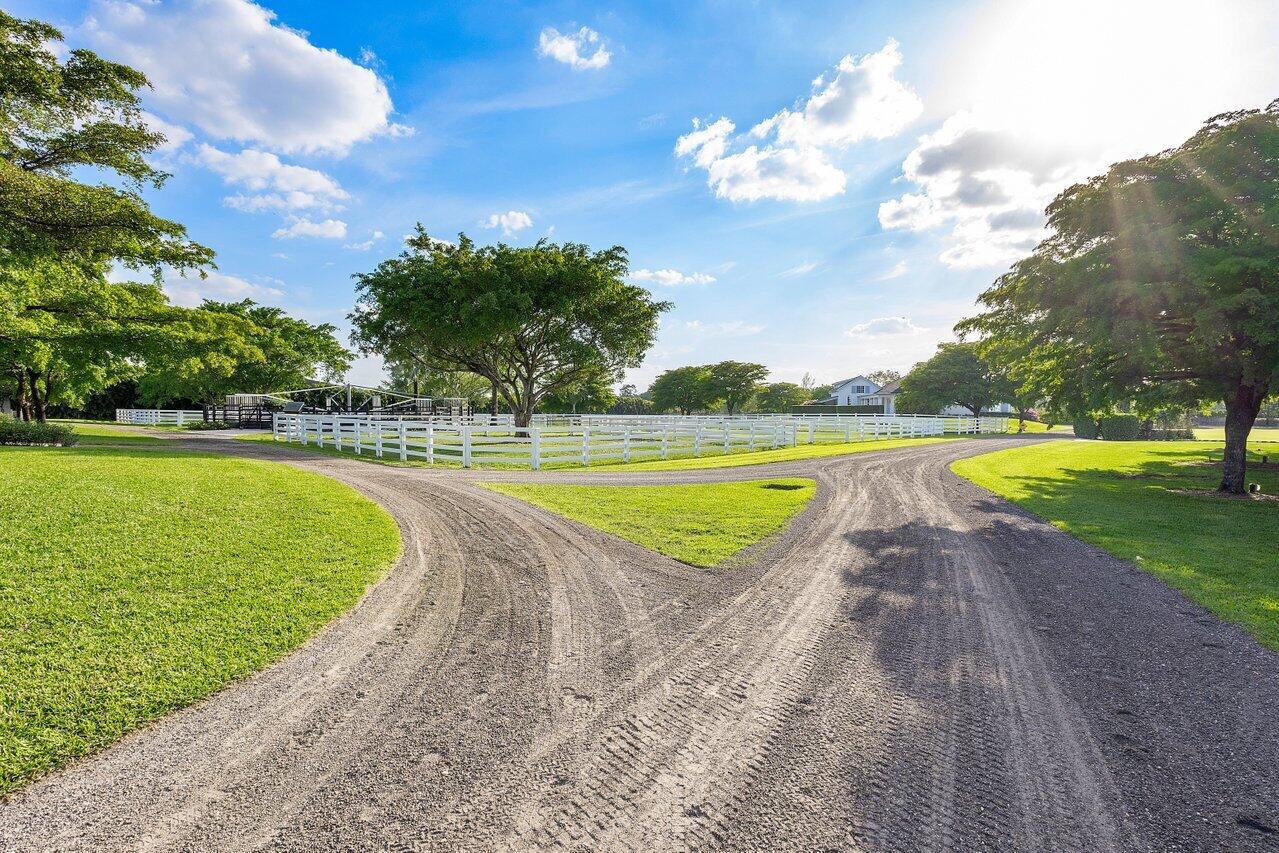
(861, 391)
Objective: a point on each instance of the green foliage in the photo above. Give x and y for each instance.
(203, 426)
(592, 394)
(780, 397)
(1120, 427)
(956, 374)
(1160, 280)
(734, 383)
(34, 432)
(412, 377)
(1123, 497)
(883, 376)
(118, 604)
(240, 347)
(65, 331)
(1086, 426)
(685, 389)
(702, 525)
(534, 321)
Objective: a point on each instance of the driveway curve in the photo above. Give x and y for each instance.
(914, 664)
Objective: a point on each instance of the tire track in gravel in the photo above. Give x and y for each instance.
(882, 676)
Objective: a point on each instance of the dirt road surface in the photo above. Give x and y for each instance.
(913, 665)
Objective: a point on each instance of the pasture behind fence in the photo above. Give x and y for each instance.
(587, 441)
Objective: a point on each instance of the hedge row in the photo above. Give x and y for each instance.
(1126, 428)
(32, 432)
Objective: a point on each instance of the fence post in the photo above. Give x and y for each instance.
(404, 437)
(466, 447)
(377, 439)
(586, 445)
(359, 434)
(535, 449)
(666, 434)
(697, 440)
(337, 433)
(626, 444)
(430, 444)
(751, 444)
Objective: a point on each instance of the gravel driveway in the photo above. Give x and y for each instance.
(913, 665)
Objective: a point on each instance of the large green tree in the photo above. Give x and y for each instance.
(223, 348)
(735, 382)
(64, 327)
(955, 375)
(780, 397)
(533, 321)
(1159, 279)
(686, 389)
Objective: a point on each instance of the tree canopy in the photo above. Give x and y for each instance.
(1159, 282)
(66, 329)
(780, 397)
(734, 383)
(683, 388)
(956, 375)
(533, 321)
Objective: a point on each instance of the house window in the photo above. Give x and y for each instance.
(859, 389)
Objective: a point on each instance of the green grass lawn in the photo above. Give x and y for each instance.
(96, 433)
(702, 524)
(133, 582)
(1257, 434)
(781, 454)
(1220, 552)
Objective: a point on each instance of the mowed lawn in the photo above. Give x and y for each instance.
(1220, 552)
(780, 454)
(133, 582)
(1258, 434)
(91, 433)
(699, 524)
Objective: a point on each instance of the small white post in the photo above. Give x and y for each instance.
(697, 441)
(466, 447)
(666, 434)
(535, 447)
(430, 443)
(751, 445)
(377, 439)
(586, 445)
(626, 444)
(404, 439)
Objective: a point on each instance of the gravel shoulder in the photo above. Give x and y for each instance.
(914, 664)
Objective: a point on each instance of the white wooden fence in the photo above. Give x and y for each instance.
(152, 417)
(544, 444)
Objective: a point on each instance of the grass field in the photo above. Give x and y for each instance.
(702, 525)
(1220, 552)
(103, 433)
(133, 582)
(1257, 434)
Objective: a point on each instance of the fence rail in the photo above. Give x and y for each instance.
(587, 442)
(153, 417)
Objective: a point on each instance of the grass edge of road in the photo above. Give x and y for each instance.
(1150, 503)
(701, 524)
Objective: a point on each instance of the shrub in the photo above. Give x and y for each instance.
(1120, 427)
(198, 425)
(33, 432)
(1171, 434)
(1085, 427)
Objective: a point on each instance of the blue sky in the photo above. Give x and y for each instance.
(858, 172)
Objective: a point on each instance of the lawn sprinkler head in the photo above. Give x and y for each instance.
(1254, 488)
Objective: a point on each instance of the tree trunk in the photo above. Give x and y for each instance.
(493, 401)
(1241, 413)
(38, 404)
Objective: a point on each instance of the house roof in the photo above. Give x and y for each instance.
(891, 388)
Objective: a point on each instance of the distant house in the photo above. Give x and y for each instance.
(850, 392)
(860, 391)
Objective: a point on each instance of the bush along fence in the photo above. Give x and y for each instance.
(586, 443)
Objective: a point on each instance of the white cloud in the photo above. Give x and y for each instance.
(861, 100)
(799, 269)
(329, 229)
(365, 245)
(899, 269)
(671, 278)
(510, 222)
(174, 136)
(227, 67)
(885, 326)
(192, 290)
(290, 187)
(572, 48)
